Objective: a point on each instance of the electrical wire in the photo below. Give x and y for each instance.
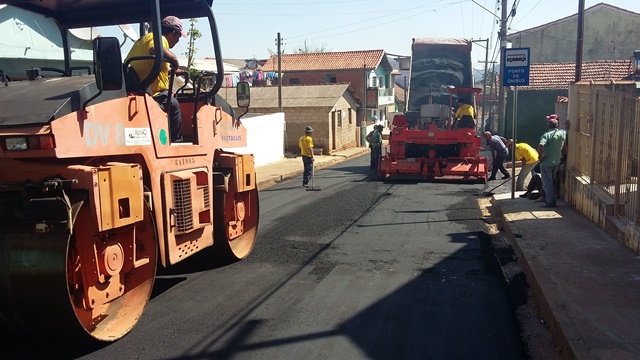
(386, 15)
(373, 26)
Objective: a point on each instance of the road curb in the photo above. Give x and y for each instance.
(537, 291)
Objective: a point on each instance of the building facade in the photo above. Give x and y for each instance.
(329, 109)
(610, 33)
(369, 73)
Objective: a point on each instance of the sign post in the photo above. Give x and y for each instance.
(515, 72)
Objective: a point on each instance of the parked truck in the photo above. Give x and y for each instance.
(93, 193)
(425, 143)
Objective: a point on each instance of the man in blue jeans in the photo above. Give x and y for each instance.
(550, 153)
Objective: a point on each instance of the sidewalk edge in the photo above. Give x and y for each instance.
(537, 291)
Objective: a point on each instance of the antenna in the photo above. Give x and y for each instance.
(271, 52)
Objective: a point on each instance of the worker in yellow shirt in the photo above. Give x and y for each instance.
(529, 157)
(172, 31)
(465, 115)
(306, 150)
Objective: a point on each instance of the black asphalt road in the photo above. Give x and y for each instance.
(359, 270)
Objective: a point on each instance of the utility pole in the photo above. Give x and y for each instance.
(502, 108)
(579, 47)
(363, 125)
(484, 86)
(279, 43)
(405, 95)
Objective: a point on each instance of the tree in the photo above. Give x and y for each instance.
(308, 49)
(193, 34)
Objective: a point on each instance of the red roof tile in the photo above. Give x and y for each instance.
(547, 76)
(345, 60)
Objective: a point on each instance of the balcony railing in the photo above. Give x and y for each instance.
(379, 97)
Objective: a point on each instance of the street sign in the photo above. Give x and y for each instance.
(515, 68)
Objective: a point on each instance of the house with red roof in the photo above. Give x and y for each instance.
(369, 73)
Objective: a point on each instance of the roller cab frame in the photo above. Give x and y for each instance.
(94, 196)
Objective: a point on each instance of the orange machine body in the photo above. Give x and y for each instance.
(94, 195)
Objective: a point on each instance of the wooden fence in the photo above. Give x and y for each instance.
(604, 142)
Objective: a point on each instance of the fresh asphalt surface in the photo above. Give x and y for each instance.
(359, 270)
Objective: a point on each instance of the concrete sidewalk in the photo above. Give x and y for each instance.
(586, 282)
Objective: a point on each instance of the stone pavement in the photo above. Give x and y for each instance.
(586, 282)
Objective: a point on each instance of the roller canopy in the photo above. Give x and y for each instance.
(86, 13)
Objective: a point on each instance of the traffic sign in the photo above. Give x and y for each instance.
(515, 68)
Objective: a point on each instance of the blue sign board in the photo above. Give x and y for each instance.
(515, 68)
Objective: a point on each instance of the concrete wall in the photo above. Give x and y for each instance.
(299, 118)
(608, 34)
(265, 137)
(320, 119)
(598, 206)
(345, 135)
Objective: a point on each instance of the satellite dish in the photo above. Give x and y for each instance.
(129, 32)
(87, 34)
(271, 52)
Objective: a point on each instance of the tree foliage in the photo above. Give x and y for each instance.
(193, 34)
(311, 48)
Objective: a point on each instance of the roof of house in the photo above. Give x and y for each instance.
(293, 96)
(239, 63)
(399, 92)
(571, 18)
(344, 60)
(548, 76)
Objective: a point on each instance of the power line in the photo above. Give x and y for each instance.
(375, 25)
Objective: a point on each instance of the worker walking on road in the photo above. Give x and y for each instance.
(306, 150)
(375, 143)
(499, 152)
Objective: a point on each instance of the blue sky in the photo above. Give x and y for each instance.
(249, 28)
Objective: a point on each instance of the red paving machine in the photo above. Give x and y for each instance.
(94, 195)
(431, 147)
(424, 144)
